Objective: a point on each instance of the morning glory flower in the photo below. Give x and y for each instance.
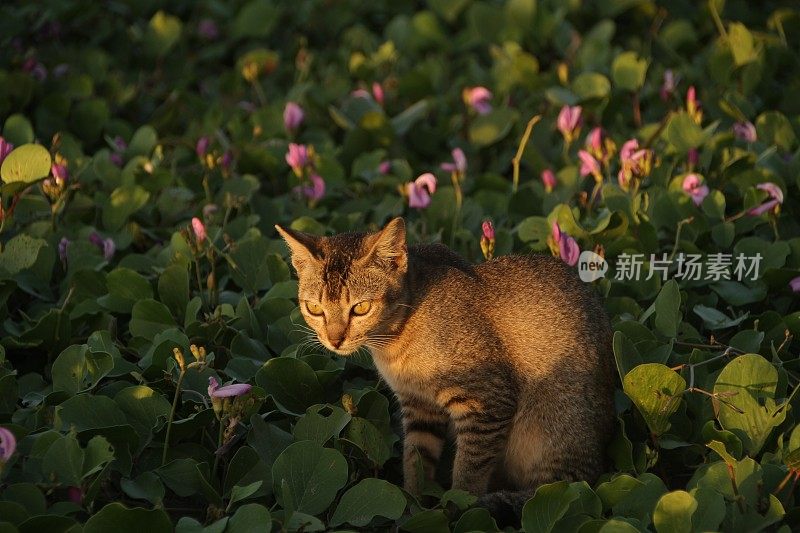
(292, 116)
(772, 203)
(569, 122)
(459, 163)
(478, 98)
(227, 391)
(419, 191)
(694, 187)
(8, 444)
(548, 179)
(568, 249)
(5, 149)
(297, 157)
(794, 283)
(315, 191)
(745, 131)
(199, 229)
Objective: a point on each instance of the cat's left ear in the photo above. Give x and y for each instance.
(304, 247)
(389, 245)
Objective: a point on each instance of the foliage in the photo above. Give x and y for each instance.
(139, 261)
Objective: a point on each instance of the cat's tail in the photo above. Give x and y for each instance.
(505, 506)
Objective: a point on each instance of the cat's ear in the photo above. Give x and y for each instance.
(304, 247)
(389, 245)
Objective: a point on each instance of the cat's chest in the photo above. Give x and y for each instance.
(405, 372)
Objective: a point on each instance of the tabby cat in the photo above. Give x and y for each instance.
(511, 357)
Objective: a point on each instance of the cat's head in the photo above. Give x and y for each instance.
(348, 283)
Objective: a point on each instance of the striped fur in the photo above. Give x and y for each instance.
(511, 357)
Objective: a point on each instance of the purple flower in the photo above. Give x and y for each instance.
(63, 248)
(419, 191)
(35, 69)
(589, 165)
(478, 98)
(459, 163)
(745, 131)
(568, 248)
(117, 159)
(385, 167)
(772, 203)
(692, 157)
(202, 146)
(292, 116)
(569, 122)
(548, 179)
(226, 391)
(207, 29)
(5, 149)
(226, 160)
(8, 444)
(107, 246)
(315, 191)
(199, 229)
(794, 283)
(694, 187)
(668, 85)
(297, 157)
(60, 172)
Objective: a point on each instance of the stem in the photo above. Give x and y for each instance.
(456, 179)
(172, 417)
(219, 445)
(637, 110)
(199, 279)
(521, 149)
(736, 495)
(678, 236)
(718, 22)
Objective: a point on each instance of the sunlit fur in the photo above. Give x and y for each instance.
(511, 356)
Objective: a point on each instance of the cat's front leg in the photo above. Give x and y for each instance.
(481, 437)
(425, 429)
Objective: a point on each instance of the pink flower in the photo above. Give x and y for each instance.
(226, 391)
(419, 191)
(668, 85)
(568, 248)
(548, 179)
(377, 92)
(745, 131)
(199, 229)
(478, 98)
(459, 163)
(694, 187)
(202, 146)
(569, 122)
(5, 149)
(627, 150)
(794, 283)
(315, 191)
(8, 444)
(589, 165)
(775, 199)
(297, 157)
(207, 29)
(292, 116)
(488, 229)
(75, 495)
(634, 163)
(385, 167)
(594, 141)
(60, 172)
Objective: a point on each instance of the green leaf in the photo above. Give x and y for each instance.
(625, 354)
(26, 164)
(249, 518)
(18, 130)
(123, 202)
(149, 318)
(77, 369)
(742, 44)
(749, 384)
(489, 128)
(629, 71)
(252, 270)
(239, 493)
(120, 519)
(87, 412)
(667, 306)
(683, 133)
(368, 499)
(673, 512)
(547, 506)
(256, 18)
(368, 439)
(125, 288)
(476, 519)
(655, 390)
(715, 319)
(591, 85)
(142, 142)
(773, 127)
(143, 406)
(291, 383)
(147, 486)
(427, 521)
(20, 253)
(163, 32)
(173, 289)
(309, 476)
(320, 423)
(98, 453)
(63, 461)
(710, 510)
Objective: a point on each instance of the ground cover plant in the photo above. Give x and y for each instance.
(155, 372)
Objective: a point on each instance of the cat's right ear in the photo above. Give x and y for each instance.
(304, 247)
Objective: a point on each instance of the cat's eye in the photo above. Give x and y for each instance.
(314, 308)
(362, 308)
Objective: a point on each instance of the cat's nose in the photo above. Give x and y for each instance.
(336, 341)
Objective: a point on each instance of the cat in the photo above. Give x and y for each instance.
(513, 356)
